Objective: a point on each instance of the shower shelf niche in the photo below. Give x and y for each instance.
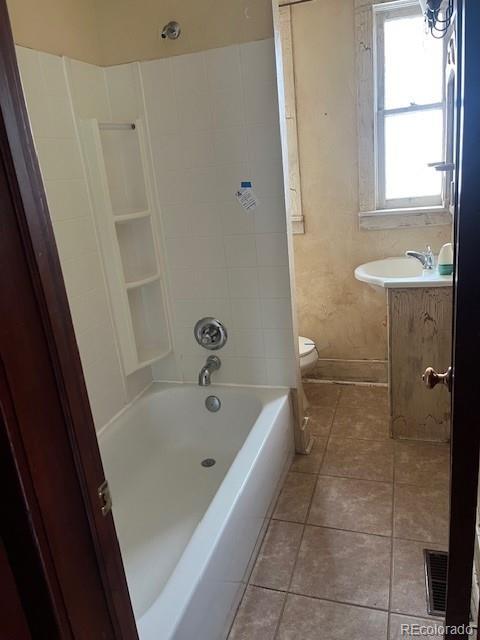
(120, 179)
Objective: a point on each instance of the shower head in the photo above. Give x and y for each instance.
(171, 30)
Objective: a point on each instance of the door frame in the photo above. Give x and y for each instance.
(466, 330)
(15, 625)
(33, 227)
(27, 222)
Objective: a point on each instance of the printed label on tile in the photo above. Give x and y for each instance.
(246, 196)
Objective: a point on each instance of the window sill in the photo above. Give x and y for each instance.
(404, 218)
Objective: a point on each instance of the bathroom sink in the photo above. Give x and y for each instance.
(400, 273)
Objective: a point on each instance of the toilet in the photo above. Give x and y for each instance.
(308, 355)
(308, 359)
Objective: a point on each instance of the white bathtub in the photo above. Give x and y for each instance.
(188, 532)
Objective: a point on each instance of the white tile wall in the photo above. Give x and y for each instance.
(212, 120)
(215, 126)
(52, 115)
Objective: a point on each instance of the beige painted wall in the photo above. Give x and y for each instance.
(62, 27)
(109, 32)
(346, 318)
(130, 29)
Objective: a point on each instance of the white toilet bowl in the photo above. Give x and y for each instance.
(308, 359)
(308, 355)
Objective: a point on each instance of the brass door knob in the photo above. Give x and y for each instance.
(432, 378)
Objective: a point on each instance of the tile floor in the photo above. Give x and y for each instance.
(343, 553)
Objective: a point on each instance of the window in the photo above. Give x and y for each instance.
(409, 109)
(401, 112)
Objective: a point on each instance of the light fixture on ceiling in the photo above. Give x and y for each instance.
(438, 15)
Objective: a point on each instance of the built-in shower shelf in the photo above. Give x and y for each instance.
(150, 354)
(134, 284)
(134, 215)
(120, 177)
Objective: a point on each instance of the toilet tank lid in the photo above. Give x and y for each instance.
(305, 346)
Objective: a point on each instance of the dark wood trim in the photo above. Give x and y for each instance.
(22, 531)
(14, 625)
(40, 447)
(73, 425)
(466, 347)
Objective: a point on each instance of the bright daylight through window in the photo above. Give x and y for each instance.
(409, 110)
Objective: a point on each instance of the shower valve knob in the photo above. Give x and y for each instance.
(210, 333)
(209, 337)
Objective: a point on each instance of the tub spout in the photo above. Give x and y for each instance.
(205, 375)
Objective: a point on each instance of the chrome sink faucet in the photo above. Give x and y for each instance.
(205, 376)
(426, 257)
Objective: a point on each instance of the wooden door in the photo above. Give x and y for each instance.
(48, 436)
(15, 624)
(466, 334)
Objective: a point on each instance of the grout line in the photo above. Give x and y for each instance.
(275, 636)
(331, 475)
(343, 602)
(390, 587)
(347, 383)
(367, 533)
(279, 621)
(347, 603)
(326, 526)
(342, 437)
(416, 615)
(323, 599)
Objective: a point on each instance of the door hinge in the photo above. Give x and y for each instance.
(105, 498)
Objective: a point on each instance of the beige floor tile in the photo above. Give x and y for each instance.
(320, 420)
(408, 581)
(365, 397)
(364, 459)
(295, 497)
(357, 505)
(310, 463)
(358, 422)
(417, 628)
(422, 464)
(421, 513)
(322, 394)
(258, 615)
(309, 619)
(349, 567)
(276, 559)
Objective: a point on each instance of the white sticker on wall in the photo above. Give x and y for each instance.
(246, 196)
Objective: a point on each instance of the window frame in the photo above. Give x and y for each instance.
(372, 211)
(383, 13)
(295, 186)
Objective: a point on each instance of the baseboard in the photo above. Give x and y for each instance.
(350, 370)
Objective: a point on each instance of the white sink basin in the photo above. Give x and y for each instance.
(400, 273)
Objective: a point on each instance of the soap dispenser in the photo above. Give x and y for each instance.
(445, 260)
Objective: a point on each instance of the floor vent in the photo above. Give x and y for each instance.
(436, 581)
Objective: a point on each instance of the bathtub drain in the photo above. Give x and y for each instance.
(213, 404)
(208, 462)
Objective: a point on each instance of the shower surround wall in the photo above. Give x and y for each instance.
(52, 109)
(212, 122)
